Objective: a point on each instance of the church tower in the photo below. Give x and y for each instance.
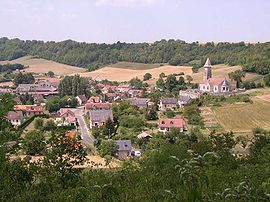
(207, 69)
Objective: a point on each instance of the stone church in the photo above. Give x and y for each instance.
(218, 86)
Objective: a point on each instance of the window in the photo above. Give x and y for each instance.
(171, 122)
(162, 122)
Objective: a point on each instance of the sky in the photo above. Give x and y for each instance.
(109, 21)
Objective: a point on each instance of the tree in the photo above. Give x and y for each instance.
(34, 143)
(237, 77)
(50, 74)
(170, 82)
(267, 80)
(27, 78)
(136, 83)
(147, 76)
(108, 147)
(38, 124)
(160, 83)
(151, 114)
(108, 129)
(189, 79)
(50, 125)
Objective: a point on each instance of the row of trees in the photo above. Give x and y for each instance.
(10, 67)
(26, 78)
(253, 57)
(73, 86)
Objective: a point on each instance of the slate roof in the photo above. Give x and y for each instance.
(208, 63)
(184, 99)
(168, 100)
(101, 115)
(139, 102)
(124, 145)
(82, 98)
(15, 115)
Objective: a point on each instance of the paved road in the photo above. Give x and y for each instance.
(79, 112)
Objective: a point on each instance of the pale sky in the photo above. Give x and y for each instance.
(136, 20)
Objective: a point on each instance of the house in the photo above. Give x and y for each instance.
(99, 117)
(144, 135)
(5, 91)
(123, 88)
(94, 99)
(38, 99)
(215, 86)
(30, 110)
(41, 88)
(66, 118)
(139, 102)
(167, 104)
(183, 100)
(166, 124)
(17, 100)
(81, 99)
(98, 106)
(15, 118)
(124, 148)
(135, 93)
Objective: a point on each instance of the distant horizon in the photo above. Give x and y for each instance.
(136, 21)
(129, 42)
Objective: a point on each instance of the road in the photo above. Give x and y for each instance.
(79, 112)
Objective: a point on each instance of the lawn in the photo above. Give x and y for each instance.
(243, 117)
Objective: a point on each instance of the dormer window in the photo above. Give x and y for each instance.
(162, 122)
(171, 122)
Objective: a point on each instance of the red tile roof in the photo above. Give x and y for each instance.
(172, 123)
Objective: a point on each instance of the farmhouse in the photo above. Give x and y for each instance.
(216, 86)
(167, 103)
(167, 124)
(124, 148)
(30, 110)
(99, 117)
(15, 118)
(139, 102)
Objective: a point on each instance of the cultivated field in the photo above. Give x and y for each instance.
(134, 65)
(37, 65)
(243, 117)
(123, 74)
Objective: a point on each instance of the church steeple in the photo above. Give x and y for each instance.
(207, 69)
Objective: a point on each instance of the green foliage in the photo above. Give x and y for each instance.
(136, 83)
(237, 77)
(147, 76)
(49, 125)
(107, 147)
(50, 74)
(34, 143)
(132, 121)
(10, 67)
(267, 80)
(151, 114)
(73, 86)
(26, 78)
(253, 57)
(38, 123)
(55, 103)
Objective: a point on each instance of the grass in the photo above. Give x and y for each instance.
(243, 117)
(41, 66)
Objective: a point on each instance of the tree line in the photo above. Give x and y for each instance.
(252, 57)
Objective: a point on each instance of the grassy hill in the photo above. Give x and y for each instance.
(38, 65)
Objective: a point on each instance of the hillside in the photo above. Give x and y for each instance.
(37, 65)
(125, 74)
(252, 57)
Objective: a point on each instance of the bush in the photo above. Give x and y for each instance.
(38, 124)
(34, 143)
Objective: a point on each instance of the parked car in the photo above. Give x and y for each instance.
(136, 153)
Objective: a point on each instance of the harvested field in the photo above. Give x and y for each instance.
(243, 117)
(117, 74)
(37, 65)
(135, 66)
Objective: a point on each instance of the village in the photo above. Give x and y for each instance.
(120, 117)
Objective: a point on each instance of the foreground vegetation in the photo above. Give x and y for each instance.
(174, 167)
(253, 57)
